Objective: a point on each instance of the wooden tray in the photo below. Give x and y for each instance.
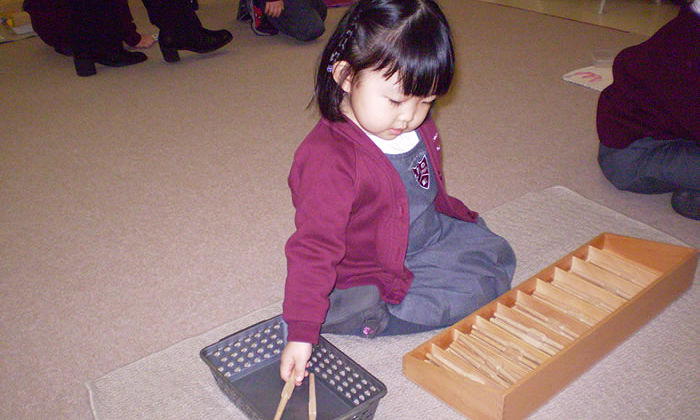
(509, 357)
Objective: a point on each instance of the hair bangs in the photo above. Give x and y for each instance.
(421, 53)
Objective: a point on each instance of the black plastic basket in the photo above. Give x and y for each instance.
(246, 368)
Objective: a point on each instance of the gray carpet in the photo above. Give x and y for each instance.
(653, 372)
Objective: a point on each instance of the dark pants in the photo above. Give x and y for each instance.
(651, 166)
(301, 19)
(52, 20)
(98, 25)
(72, 26)
(350, 309)
(173, 16)
(95, 28)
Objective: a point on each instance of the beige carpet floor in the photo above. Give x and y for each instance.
(149, 204)
(638, 16)
(175, 383)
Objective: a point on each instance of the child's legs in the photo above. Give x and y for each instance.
(652, 166)
(466, 269)
(366, 319)
(352, 311)
(346, 303)
(357, 311)
(398, 326)
(301, 19)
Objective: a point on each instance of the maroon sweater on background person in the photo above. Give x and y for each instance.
(656, 87)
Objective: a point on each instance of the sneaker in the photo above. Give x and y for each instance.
(686, 203)
(243, 14)
(259, 23)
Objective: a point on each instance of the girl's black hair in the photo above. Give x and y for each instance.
(411, 37)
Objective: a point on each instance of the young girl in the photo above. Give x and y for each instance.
(380, 248)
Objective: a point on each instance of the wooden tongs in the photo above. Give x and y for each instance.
(287, 394)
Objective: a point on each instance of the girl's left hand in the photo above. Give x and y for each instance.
(274, 8)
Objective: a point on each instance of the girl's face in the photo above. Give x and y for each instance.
(378, 105)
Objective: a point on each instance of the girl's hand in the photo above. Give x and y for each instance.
(295, 358)
(274, 8)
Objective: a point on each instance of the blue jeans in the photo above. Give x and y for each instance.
(652, 166)
(301, 19)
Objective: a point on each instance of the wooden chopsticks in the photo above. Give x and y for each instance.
(287, 394)
(312, 397)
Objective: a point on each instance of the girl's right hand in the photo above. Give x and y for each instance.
(295, 358)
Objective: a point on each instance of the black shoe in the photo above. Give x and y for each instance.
(64, 49)
(121, 58)
(84, 66)
(203, 41)
(259, 23)
(85, 63)
(686, 203)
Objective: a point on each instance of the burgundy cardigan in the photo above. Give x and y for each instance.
(352, 221)
(656, 87)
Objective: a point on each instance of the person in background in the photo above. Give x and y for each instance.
(648, 119)
(380, 248)
(52, 21)
(94, 31)
(302, 20)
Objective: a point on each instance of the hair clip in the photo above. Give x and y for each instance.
(340, 48)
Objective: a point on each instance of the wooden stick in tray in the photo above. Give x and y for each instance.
(527, 336)
(286, 394)
(568, 303)
(495, 357)
(549, 323)
(604, 278)
(451, 362)
(550, 315)
(312, 397)
(623, 267)
(510, 342)
(532, 326)
(501, 376)
(586, 290)
(488, 359)
(507, 352)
